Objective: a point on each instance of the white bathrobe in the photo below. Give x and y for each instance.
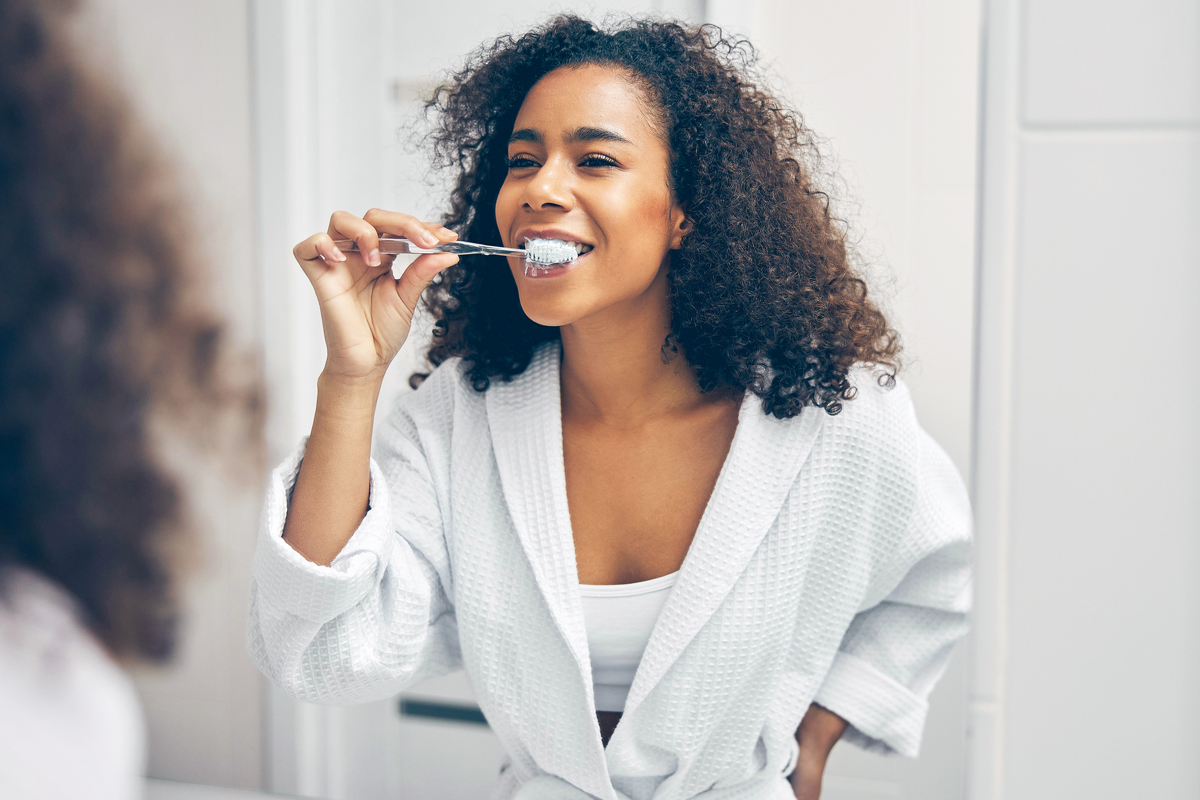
(831, 565)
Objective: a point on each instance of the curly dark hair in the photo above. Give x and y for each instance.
(104, 334)
(764, 296)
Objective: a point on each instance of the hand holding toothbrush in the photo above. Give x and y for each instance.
(366, 312)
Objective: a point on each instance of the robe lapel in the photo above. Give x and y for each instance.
(526, 424)
(763, 462)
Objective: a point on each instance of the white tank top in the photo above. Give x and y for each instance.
(619, 619)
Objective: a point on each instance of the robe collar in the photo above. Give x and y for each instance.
(765, 457)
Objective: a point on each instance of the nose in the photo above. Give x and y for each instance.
(549, 189)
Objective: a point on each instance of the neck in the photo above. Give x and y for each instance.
(612, 367)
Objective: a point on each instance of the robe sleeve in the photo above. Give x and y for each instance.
(894, 651)
(378, 618)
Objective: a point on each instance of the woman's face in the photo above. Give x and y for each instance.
(588, 164)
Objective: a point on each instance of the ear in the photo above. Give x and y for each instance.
(681, 225)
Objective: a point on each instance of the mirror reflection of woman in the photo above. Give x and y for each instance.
(118, 383)
(668, 505)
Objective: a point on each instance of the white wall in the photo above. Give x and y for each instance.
(186, 66)
(1088, 457)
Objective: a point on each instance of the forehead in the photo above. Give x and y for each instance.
(591, 95)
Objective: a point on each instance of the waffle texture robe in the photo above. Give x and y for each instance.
(831, 565)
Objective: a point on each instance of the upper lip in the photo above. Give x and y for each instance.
(548, 233)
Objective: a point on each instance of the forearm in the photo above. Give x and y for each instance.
(330, 496)
(819, 731)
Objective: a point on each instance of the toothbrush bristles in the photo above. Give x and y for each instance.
(550, 251)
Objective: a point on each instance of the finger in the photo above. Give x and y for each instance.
(423, 234)
(347, 226)
(418, 275)
(328, 250)
(441, 231)
(313, 253)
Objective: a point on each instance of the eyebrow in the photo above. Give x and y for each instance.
(587, 134)
(525, 135)
(584, 134)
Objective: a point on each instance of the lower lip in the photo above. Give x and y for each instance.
(543, 271)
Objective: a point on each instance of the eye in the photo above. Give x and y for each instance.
(597, 160)
(520, 162)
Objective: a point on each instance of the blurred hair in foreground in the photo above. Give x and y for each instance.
(107, 342)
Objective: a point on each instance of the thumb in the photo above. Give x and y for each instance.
(419, 274)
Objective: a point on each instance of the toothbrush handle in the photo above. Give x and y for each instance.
(393, 247)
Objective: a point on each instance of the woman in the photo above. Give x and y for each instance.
(104, 347)
(666, 505)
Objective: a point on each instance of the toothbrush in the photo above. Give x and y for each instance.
(539, 251)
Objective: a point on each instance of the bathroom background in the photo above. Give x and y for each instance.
(1024, 182)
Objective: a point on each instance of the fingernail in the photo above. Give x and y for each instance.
(447, 232)
(338, 255)
(428, 239)
(373, 258)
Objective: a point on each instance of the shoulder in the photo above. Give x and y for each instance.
(873, 446)
(875, 462)
(65, 694)
(880, 418)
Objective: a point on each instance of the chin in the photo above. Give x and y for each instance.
(547, 312)
(552, 303)
(570, 298)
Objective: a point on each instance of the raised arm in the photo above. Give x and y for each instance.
(347, 601)
(366, 314)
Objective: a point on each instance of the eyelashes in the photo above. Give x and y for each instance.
(592, 160)
(597, 160)
(520, 162)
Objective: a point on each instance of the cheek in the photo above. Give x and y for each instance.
(506, 206)
(643, 220)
